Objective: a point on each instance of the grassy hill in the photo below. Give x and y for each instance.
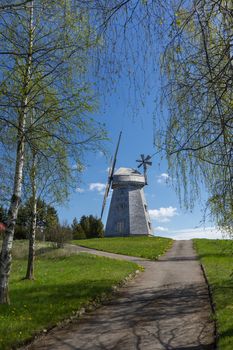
(142, 246)
(64, 284)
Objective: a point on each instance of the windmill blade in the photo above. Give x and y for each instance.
(141, 160)
(109, 171)
(107, 188)
(145, 162)
(141, 163)
(110, 176)
(148, 163)
(105, 199)
(115, 156)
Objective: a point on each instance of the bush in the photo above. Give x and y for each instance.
(79, 234)
(59, 234)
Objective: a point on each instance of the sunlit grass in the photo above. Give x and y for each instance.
(144, 247)
(63, 285)
(217, 258)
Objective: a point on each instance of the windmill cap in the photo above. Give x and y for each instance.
(128, 176)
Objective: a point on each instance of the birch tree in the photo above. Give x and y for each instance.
(50, 177)
(199, 131)
(6, 257)
(46, 46)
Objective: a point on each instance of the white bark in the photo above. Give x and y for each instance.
(6, 256)
(32, 236)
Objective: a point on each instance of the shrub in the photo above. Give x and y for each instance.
(59, 234)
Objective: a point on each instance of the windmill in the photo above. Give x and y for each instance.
(128, 213)
(145, 162)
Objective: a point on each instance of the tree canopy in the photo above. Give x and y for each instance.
(87, 227)
(198, 131)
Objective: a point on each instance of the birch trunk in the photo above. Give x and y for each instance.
(6, 256)
(32, 236)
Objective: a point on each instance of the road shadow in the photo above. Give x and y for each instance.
(180, 258)
(167, 318)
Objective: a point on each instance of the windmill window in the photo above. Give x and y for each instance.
(149, 224)
(120, 226)
(121, 206)
(145, 206)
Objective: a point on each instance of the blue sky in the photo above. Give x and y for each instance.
(168, 218)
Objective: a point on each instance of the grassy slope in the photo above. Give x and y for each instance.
(63, 285)
(217, 258)
(144, 247)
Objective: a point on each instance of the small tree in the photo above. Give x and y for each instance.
(77, 230)
(59, 234)
(22, 223)
(96, 227)
(85, 224)
(88, 227)
(45, 213)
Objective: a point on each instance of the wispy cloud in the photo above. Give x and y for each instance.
(79, 190)
(97, 186)
(160, 229)
(100, 154)
(200, 232)
(163, 178)
(163, 214)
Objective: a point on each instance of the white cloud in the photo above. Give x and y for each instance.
(97, 186)
(163, 178)
(161, 229)
(163, 214)
(79, 190)
(100, 154)
(200, 232)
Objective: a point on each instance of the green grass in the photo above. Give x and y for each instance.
(63, 285)
(217, 258)
(143, 247)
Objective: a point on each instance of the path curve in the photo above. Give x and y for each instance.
(166, 307)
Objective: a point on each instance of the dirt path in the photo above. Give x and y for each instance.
(166, 307)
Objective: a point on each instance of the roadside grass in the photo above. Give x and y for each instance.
(63, 285)
(143, 247)
(217, 259)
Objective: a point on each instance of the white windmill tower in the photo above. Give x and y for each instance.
(128, 214)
